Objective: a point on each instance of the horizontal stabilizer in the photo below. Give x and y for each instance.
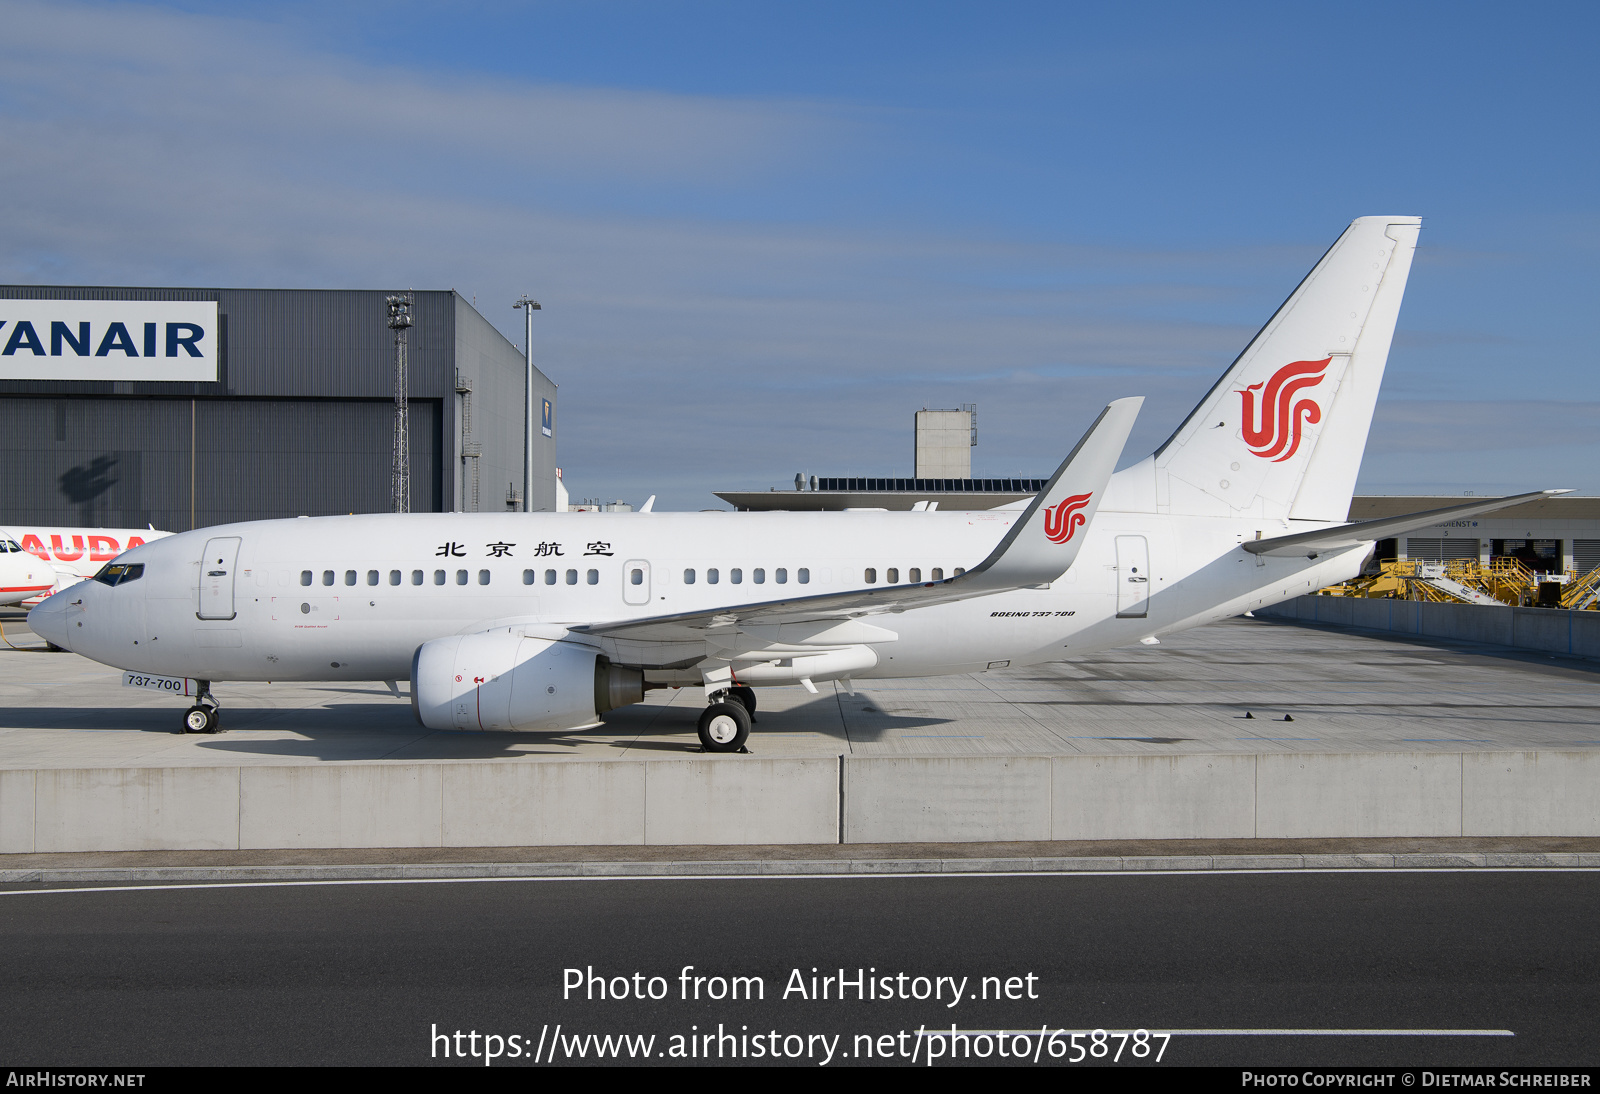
(1337, 538)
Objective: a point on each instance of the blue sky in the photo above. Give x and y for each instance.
(765, 234)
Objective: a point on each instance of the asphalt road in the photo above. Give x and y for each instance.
(362, 974)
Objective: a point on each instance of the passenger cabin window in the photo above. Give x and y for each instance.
(394, 577)
(549, 577)
(803, 575)
(759, 577)
(594, 577)
(529, 577)
(483, 577)
(937, 574)
(711, 576)
(959, 571)
(893, 575)
(305, 577)
(416, 577)
(327, 577)
(782, 576)
(119, 573)
(572, 577)
(438, 577)
(736, 576)
(461, 577)
(636, 577)
(372, 577)
(871, 576)
(688, 577)
(349, 577)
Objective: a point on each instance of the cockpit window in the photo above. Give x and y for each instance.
(10, 546)
(119, 573)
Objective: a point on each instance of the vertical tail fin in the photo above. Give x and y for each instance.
(1282, 433)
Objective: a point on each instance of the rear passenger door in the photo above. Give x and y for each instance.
(1133, 577)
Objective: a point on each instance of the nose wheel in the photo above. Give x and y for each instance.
(205, 715)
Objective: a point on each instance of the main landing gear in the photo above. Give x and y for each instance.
(205, 715)
(725, 724)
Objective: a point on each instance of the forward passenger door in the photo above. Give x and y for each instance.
(217, 568)
(636, 582)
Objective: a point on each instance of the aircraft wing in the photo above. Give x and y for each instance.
(1039, 548)
(1320, 540)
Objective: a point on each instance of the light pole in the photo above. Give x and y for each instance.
(400, 467)
(529, 306)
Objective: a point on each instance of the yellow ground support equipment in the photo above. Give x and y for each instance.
(1468, 581)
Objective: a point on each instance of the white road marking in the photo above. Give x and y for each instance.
(1235, 1032)
(285, 884)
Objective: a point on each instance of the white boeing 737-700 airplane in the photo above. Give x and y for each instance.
(546, 621)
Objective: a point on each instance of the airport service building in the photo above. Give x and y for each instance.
(181, 408)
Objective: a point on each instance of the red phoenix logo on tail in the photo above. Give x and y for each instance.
(1060, 521)
(1275, 434)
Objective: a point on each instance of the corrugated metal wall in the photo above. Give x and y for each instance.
(299, 421)
(498, 374)
(121, 462)
(287, 343)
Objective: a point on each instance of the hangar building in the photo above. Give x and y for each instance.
(181, 408)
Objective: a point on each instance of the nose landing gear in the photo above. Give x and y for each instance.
(205, 715)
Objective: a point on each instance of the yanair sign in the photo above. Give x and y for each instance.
(108, 340)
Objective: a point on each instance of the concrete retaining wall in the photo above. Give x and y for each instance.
(1549, 629)
(745, 800)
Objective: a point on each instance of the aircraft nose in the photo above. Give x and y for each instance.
(49, 620)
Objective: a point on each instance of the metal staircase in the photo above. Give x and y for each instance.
(1468, 581)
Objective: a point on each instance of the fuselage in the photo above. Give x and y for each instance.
(351, 598)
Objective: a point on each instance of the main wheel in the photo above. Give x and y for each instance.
(200, 719)
(747, 696)
(724, 727)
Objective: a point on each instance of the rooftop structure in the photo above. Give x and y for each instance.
(945, 439)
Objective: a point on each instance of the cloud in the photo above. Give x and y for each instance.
(137, 83)
(1467, 425)
(695, 349)
(1434, 339)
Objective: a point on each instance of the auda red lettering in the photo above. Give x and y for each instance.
(61, 552)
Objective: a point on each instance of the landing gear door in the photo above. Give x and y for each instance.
(636, 582)
(1133, 577)
(217, 567)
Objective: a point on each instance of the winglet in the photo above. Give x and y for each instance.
(1043, 543)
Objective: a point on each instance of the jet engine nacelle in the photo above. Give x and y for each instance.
(511, 681)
